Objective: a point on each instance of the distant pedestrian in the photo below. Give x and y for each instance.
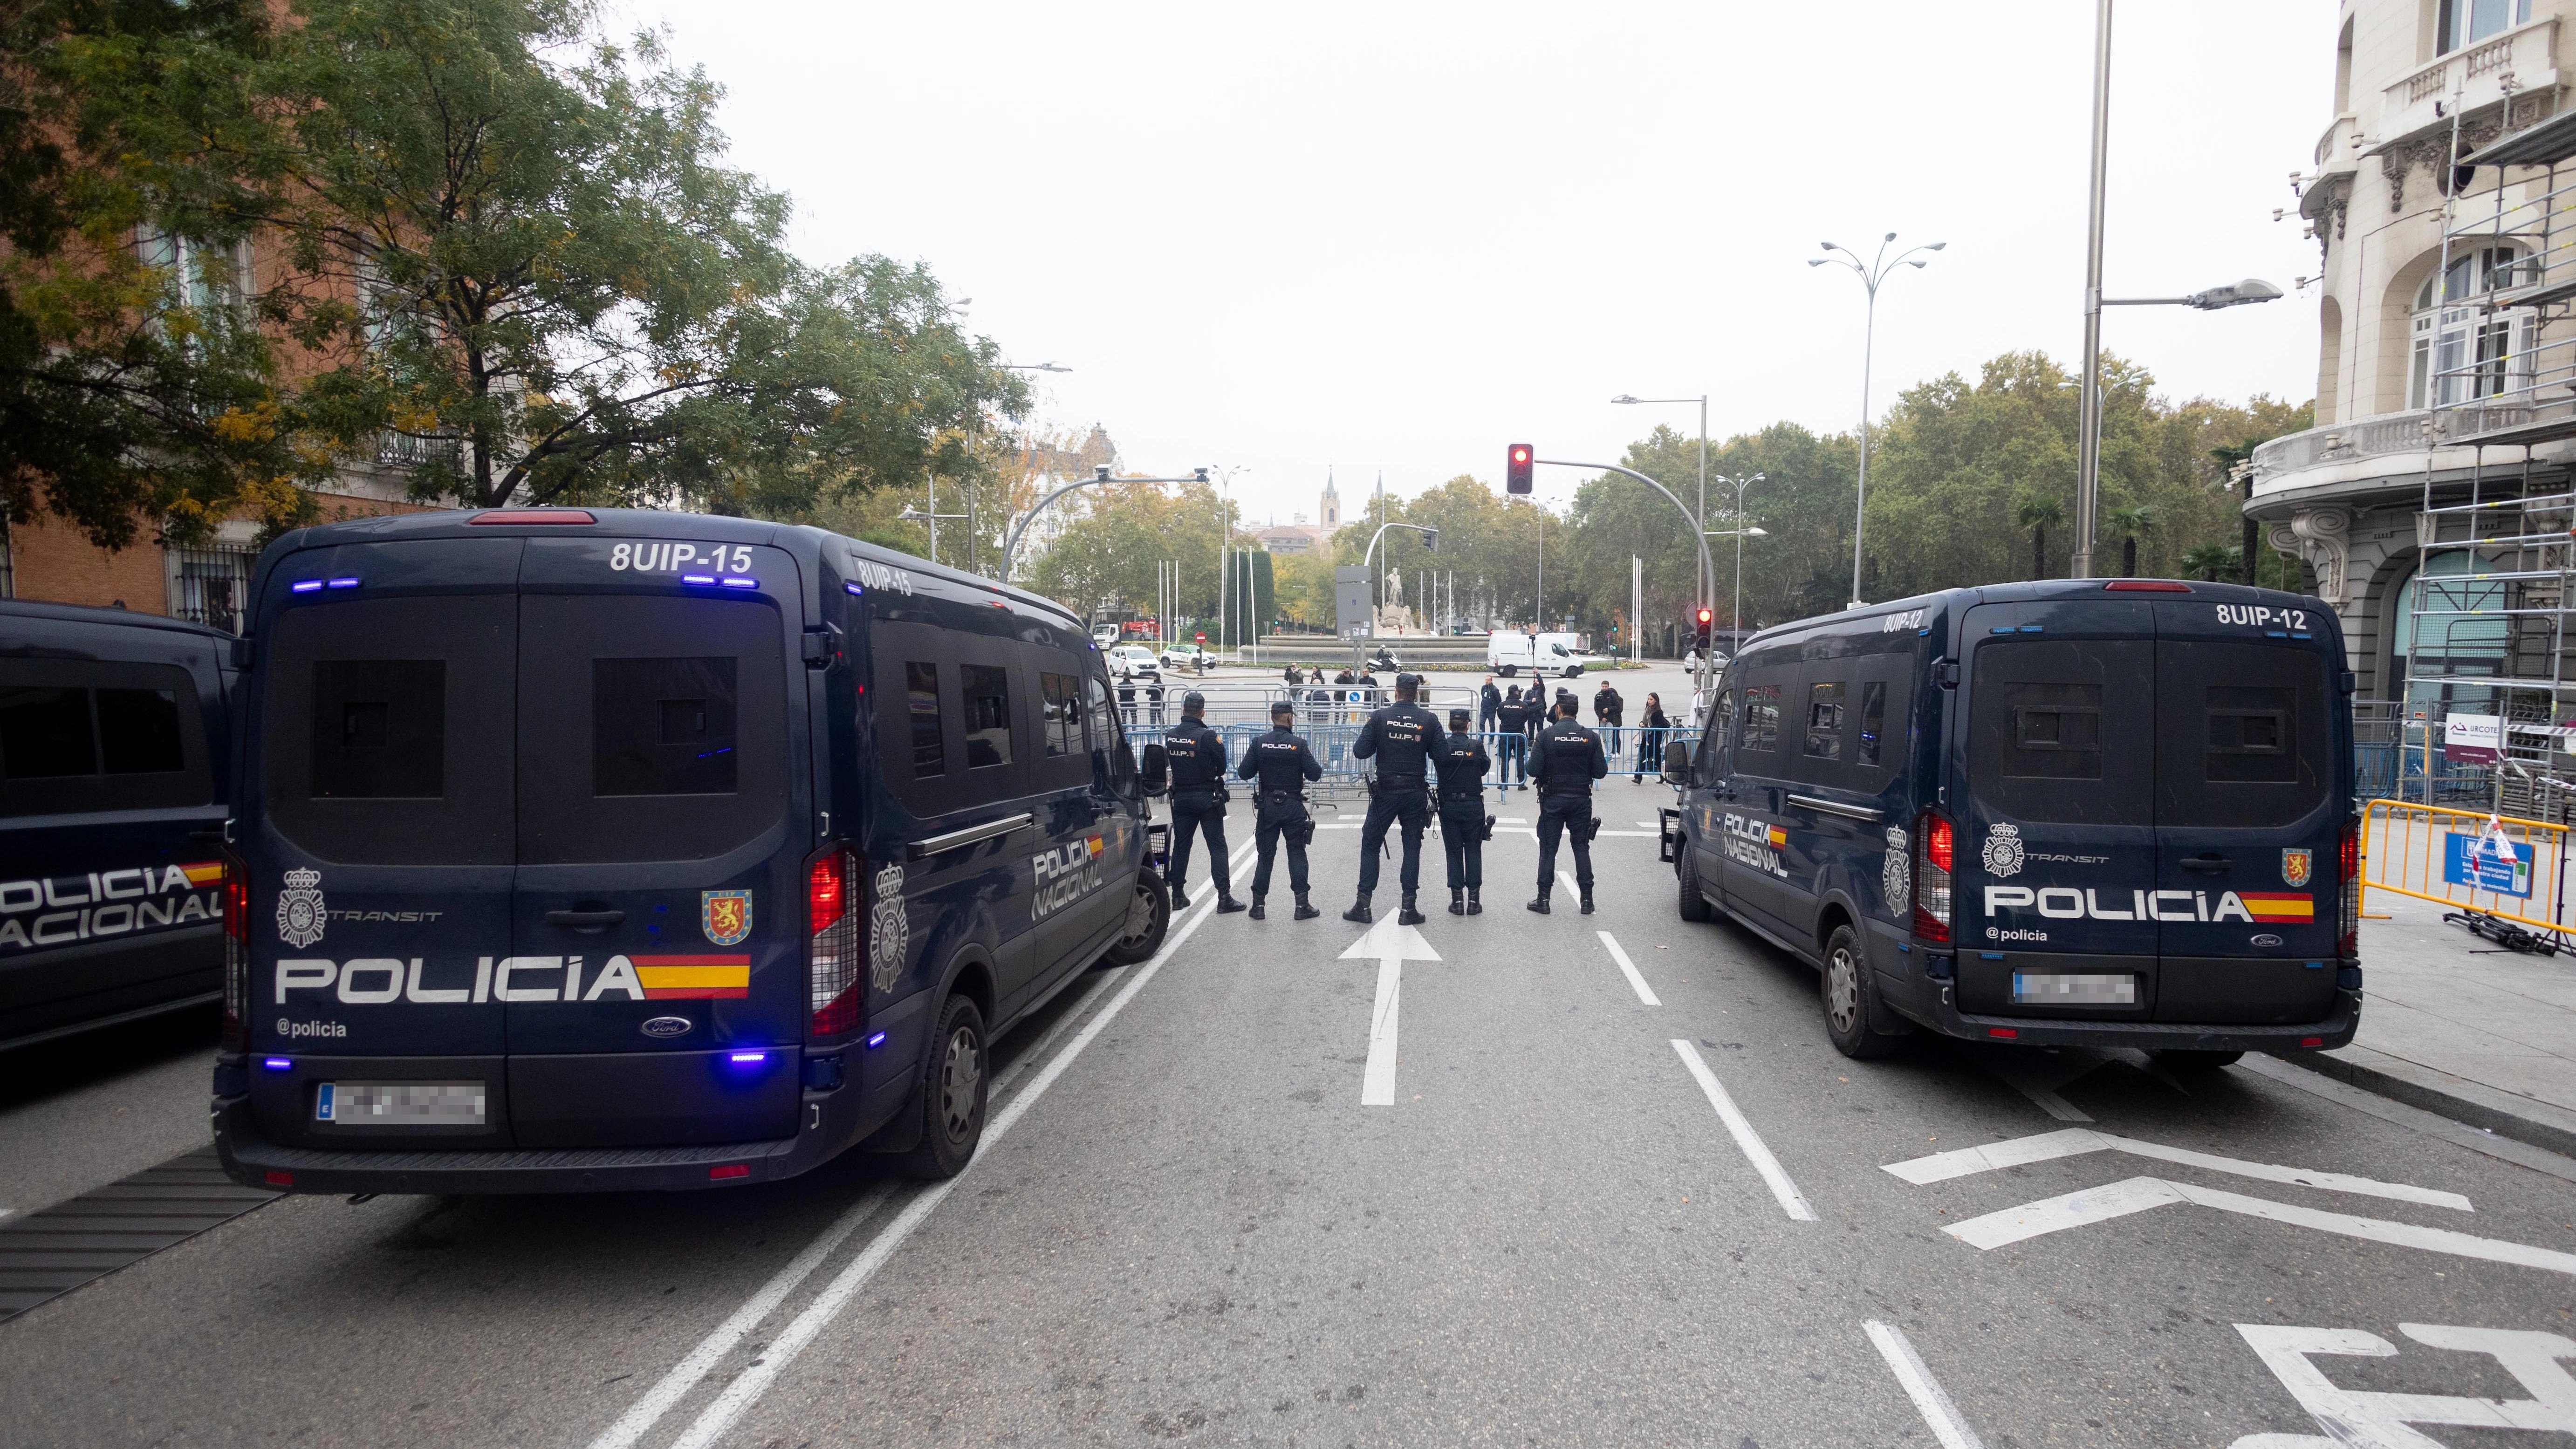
(1606, 707)
(1650, 740)
(1489, 706)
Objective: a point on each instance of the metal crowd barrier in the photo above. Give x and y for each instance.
(1332, 727)
(2431, 853)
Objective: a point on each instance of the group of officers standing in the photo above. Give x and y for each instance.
(1419, 767)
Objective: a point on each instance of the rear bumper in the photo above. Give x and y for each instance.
(2334, 1031)
(832, 1121)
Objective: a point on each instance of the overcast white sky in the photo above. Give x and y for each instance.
(1402, 236)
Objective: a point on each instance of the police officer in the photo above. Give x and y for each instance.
(1198, 800)
(1462, 763)
(1403, 738)
(1283, 763)
(1566, 761)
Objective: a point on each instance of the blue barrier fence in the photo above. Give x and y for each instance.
(1633, 751)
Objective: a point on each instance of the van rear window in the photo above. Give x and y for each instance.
(2243, 734)
(662, 726)
(379, 729)
(2063, 730)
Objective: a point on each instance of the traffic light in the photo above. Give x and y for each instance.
(1431, 539)
(1517, 467)
(1706, 618)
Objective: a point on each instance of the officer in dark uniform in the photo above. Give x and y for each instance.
(1283, 763)
(1565, 763)
(1403, 738)
(1198, 800)
(1462, 763)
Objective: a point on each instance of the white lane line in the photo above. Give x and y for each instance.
(2076, 1141)
(1939, 1413)
(2138, 1194)
(1746, 1139)
(1377, 1083)
(684, 1376)
(1644, 993)
(748, 1386)
(1573, 892)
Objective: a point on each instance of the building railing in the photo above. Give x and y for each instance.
(2387, 435)
(2473, 75)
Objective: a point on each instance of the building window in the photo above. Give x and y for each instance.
(2459, 352)
(2456, 630)
(211, 586)
(207, 276)
(2466, 22)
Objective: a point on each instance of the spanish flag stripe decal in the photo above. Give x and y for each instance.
(2275, 906)
(205, 873)
(693, 977)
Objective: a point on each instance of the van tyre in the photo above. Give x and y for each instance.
(952, 1094)
(1149, 915)
(1850, 992)
(1693, 905)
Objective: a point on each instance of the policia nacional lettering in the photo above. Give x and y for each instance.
(65, 910)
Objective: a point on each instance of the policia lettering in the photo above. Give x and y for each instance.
(385, 980)
(1464, 825)
(1281, 763)
(1565, 761)
(1402, 738)
(1198, 801)
(65, 910)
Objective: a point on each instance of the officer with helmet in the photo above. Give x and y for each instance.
(1462, 763)
(1565, 763)
(1403, 737)
(1198, 800)
(1282, 763)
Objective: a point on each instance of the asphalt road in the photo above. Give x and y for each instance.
(1187, 1227)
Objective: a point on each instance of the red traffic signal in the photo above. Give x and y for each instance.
(1707, 617)
(1517, 468)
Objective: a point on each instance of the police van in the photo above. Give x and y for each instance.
(2094, 813)
(114, 756)
(583, 850)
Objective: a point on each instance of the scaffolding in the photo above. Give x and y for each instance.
(2494, 357)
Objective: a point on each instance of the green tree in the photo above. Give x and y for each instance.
(2039, 515)
(2206, 561)
(2129, 520)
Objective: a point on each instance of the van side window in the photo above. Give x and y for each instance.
(1873, 723)
(662, 726)
(379, 729)
(987, 696)
(1062, 725)
(921, 704)
(1761, 735)
(1825, 720)
(82, 735)
(138, 732)
(1710, 763)
(1107, 759)
(45, 734)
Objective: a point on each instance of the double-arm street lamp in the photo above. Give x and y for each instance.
(1099, 475)
(1740, 532)
(1871, 274)
(1697, 534)
(1705, 582)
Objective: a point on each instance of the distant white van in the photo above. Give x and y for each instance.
(1507, 654)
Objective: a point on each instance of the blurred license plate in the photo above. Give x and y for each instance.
(2074, 988)
(400, 1104)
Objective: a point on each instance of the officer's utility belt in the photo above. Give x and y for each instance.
(1277, 807)
(1398, 785)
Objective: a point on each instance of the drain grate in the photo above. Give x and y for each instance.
(46, 1254)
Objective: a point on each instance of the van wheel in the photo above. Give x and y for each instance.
(2183, 1061)
(952, 1094)
(1694, 906)
(1149, 915)
(1508, 670)
(1849, 992)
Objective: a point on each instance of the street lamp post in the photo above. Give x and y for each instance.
(1100, 474)
(1740, 533)
(972, 533)
(1706, 583)
(1870, 276)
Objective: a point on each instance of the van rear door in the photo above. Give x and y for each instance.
(2249, 819)
(2058, 834)
(655, 990)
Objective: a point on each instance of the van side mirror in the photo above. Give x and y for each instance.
(1157, 774)
(1677, 762)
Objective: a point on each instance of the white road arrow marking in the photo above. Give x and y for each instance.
(2138, 1194)
(1390, 945)
(2076, 1141)
(2360, 1419)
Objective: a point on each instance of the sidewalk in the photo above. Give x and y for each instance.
(2461, 1027)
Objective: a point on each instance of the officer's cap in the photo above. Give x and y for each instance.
(1279, 707)
(1193, 702)
(1408, 681)
(1457, 719)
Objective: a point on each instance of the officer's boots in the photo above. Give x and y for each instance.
(1258, 913)
(1457, 901)
(1587, 900)
(1475, 906)
(1305, 908)
(1180, 900)
(1227, 905)
(1540, 905)
(1359, 910)
(1407, 915)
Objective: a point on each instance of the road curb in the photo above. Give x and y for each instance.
(2440, 1094)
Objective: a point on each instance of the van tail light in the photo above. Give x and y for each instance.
(2348, 930)
(1935, 850)
(236, 1026)
(833, 944)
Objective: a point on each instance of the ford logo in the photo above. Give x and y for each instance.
(679, 1025)
(2262, 940)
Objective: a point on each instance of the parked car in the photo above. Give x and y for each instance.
(1186, 656)
(1134, 661)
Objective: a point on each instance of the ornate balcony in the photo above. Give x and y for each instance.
(2523, 60)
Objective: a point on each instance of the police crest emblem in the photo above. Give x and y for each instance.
(2003, 852)
(1896, 875)
(2297, 866)
(725, 916)
(889, 930)
(300, 914)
